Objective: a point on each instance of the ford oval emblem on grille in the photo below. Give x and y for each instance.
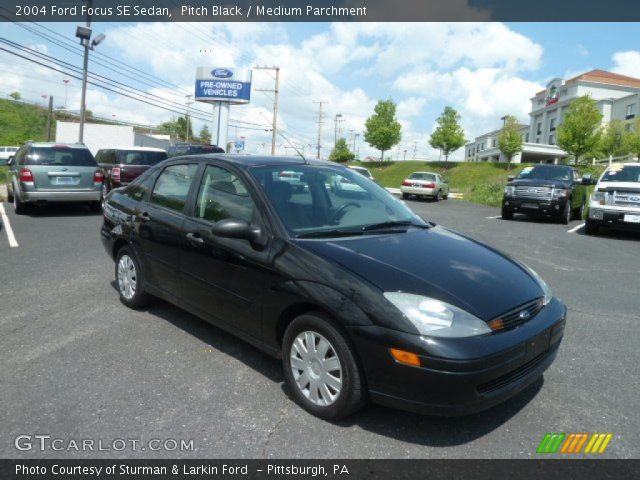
(524, 314)
(634, 199)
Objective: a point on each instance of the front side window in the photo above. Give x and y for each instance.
(223, 195)
(321, 200)
(172, 187)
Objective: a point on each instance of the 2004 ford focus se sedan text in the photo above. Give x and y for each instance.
(361, 298)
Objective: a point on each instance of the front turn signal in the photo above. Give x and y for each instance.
(406, 358)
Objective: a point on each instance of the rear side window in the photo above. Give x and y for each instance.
(138, 157)
(172, 187)
(62, 156)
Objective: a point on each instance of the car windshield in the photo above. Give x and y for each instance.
(545, 172)
(422, 176)
(140, 157)
(331, 201)
(622, 174)
(62, 156)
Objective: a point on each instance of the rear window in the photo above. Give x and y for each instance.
(63, 156)
(192, 150)
(422, 176)
(138, 157)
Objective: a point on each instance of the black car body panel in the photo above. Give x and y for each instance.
(254, 291)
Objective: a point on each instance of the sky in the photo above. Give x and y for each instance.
(483, 70)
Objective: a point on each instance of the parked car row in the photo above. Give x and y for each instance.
(44, 172)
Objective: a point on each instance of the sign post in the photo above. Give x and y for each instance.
(222, 87)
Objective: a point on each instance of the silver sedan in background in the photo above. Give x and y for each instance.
(425, 184)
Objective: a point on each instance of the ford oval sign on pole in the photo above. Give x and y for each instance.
(222, 87)
(220, 84)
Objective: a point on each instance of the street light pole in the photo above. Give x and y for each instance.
(85, 66)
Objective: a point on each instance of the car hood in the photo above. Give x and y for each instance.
(538, 182)
(437, 263)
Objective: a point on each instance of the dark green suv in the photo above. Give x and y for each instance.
(42, 172)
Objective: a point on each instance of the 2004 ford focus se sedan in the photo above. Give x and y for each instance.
(361, 298)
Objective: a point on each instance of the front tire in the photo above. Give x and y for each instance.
(567, 214)
(507, 214)
(321, 368)
(591, 228)
(129, 280)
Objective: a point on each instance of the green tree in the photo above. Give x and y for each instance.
(580, 131)
(176, 127)
(633, 138)
(614, 140)
(383, 130)
(510, 139)
(341, 152)
(448, 135)
(205, 135)
(15, 95)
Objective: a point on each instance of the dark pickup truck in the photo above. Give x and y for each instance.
(550, 190)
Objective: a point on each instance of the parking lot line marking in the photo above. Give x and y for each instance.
(575, 229)
(7, 226)
(492, 218)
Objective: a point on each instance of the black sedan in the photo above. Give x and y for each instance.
(361, 298)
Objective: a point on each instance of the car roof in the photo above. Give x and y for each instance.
(626, 164)
(135, 149)
(429, 173)
(355, 167)
(57, 144)
(247, 161)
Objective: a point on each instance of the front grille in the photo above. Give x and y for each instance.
(513, 376)
(517, 316)
(534, 192)
(625, 198)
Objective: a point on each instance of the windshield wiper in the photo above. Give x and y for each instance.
(329, 233)
(391, 224)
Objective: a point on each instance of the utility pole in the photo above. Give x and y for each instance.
(415, 148)
(189, 102)
(49, 118)
(335, 130)
(276, 92)
(319, 146)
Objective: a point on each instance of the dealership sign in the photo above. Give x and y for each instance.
(219, 84)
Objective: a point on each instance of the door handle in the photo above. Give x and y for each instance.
(144, 217)
(195, 238)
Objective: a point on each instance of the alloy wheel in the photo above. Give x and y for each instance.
(127, 277)
(316, 368)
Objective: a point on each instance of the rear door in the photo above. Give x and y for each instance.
(158, 224)
(61, 168)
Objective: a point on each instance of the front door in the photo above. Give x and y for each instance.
(223, 278)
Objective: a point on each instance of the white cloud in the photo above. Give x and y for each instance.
(627, 63)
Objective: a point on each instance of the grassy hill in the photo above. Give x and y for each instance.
(479, 182)
(20, 122)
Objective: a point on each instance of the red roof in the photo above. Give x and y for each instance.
(602, 76)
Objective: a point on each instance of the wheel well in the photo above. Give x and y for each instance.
(117, 246)
(289, 314)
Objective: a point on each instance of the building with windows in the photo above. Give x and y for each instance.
(617, 96)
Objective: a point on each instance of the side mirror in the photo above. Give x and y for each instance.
(510, 178)
(588, 180)
(236, 228)
(10, 160)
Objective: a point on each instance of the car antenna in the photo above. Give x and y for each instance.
(292, 146)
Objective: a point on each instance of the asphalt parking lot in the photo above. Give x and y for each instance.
(77, 364)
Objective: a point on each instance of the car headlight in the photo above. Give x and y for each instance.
(560, 192)
(545, 288)
(435, 318)
(597, 199)
(508, 190)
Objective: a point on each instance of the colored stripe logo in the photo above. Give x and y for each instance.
(573, 443)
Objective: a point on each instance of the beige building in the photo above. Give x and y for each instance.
(617, 96)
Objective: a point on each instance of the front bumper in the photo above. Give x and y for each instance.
(614, 218)
(459, 376)
(429, 192)
(61, 196)
(533, 206)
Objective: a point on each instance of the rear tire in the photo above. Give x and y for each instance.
(9, 195)
(18, 206)
(578, 213)
(438, 196)
(591, 228)
(405, 196)
(95, 207)
(306, 368)
(129, 280)
(507, 214)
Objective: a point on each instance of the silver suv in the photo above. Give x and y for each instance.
(615, 203)
(42, 172)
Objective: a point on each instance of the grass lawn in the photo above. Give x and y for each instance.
(481, 183)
